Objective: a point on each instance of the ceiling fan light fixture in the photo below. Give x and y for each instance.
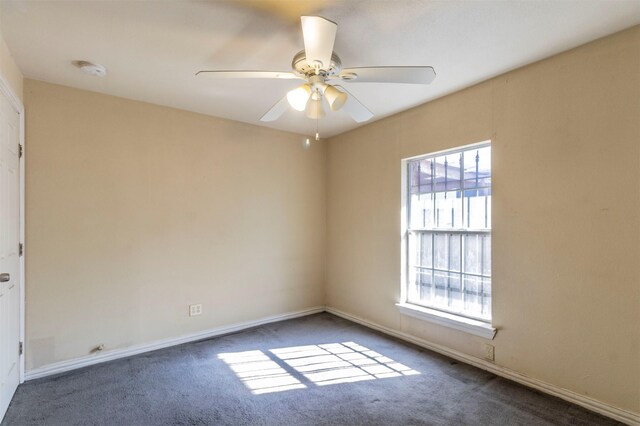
(299, 97)
(335, 97)
(315, 109)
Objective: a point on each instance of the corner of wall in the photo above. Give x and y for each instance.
(9, 69)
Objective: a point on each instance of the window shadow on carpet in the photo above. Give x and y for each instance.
(299, 367)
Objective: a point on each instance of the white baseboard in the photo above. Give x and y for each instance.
(72, 364)
(619, 414)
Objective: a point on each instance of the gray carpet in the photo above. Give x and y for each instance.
(319, 370)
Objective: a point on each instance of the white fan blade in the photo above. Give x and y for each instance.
(276, 111)
(355, 109)
(319, 35)
(407, 75)
(247, 74)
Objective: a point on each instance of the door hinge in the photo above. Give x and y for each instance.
(20, 151)
(20, 348)
(20, 249)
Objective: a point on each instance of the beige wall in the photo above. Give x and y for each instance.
(566, 215)
(135, 211)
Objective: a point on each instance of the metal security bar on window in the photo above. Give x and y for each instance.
(449, 232)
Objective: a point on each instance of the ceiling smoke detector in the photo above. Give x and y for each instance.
(91, 68)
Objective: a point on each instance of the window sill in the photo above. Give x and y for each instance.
(477, 328)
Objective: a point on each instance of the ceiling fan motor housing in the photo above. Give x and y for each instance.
(302, 68)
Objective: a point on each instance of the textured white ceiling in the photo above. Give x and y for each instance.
(152, 49)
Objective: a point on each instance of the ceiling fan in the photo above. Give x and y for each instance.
(320, 67)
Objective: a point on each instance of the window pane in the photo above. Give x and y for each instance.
(448, 291)
(425, 253)
(413, 176)
(440, 281)
(477, 296)
(477, 208)
(472, 299)
(447, 172)
(441, 250)
(413, 287)
(472, 263)
(420, 247)
(412, 248)
(477, 254)
(486, 255)
(477, 167)
(455, 262)
(455, 293)
(447, 251)
(420, 176)
(423, 285)
(421, 211)
(486, 298)
(448, 212)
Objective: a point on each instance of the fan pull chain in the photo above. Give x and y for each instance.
(318, 106)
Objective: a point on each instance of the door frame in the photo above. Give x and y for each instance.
(16, 104)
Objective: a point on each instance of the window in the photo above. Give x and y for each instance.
(448, 233)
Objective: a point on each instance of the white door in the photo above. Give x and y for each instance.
(9, 253)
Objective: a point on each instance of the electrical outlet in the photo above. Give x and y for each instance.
(195, 310)
(489, 352)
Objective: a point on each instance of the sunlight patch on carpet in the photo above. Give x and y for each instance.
(259, 373)
(298, 366)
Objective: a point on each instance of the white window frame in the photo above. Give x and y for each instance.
(448, 319)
